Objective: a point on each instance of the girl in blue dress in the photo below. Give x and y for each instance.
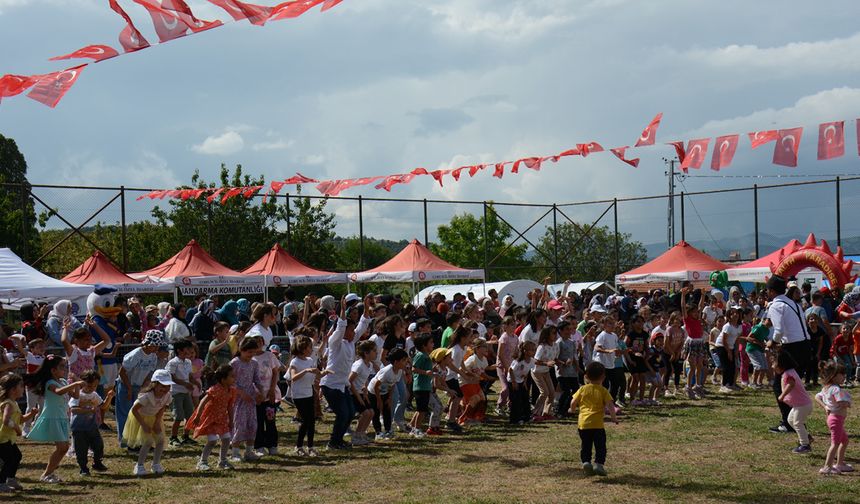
(52, 425)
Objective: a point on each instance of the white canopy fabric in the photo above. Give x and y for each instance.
(19, 281)
(577, 287)
(515, 288)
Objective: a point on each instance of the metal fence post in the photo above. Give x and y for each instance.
(683, 226)
(360, 235)
(486, 246)
(124, 229)
(555, 240)
(838, 213)
(289, 225)
(617, 258)
(24, 245)
(426, 234)
(755, 217)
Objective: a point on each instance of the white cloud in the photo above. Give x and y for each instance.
(827, 55)
(523, 20)
(312, 159)
(279, 144)
(225, 144)
(146, 169)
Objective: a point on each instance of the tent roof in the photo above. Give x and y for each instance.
(98, 269)
(764, 261)
(681, 262)
(191, 261)
(282, 268)
(415, 263)
(19, 280)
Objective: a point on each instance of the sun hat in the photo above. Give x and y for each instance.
(439, 354)
(163, 377)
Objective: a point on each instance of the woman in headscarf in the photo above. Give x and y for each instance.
(177, 329)
(244, 307)
(203, 325)
(163, 308)
(507, 304)
(229, 312)
(61, 312)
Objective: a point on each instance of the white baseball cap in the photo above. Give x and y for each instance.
(163, 377)
(413, 327)
(351, 297)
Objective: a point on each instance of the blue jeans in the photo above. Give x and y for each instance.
(123, 407)
(341, 403)
(398, 401)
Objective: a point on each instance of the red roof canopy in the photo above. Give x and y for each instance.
(98, 269)
(282, 268)
(764, 262)
(191, 261)
(681, 262)
(415, 263)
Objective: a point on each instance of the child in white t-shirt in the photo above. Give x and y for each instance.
(359, 376)
(179, 368)
(518, 374)
(379, 391)
(304, 374)
(470, 383)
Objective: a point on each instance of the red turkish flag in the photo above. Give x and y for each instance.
(51, 87)
(329, 4)
(619, 153)
(760, 138)
(787, 145)
(696, 152)
(294, 9)
(11, 85)
(392, 180)
(298, 178)
(569, 152)
(170, 20)
(130, 38)
(586, 149)
(679, 149)
(96, 52)
(438, 174)
(255, 14)
(724, 151)
(212, 197)
(500, 168)
(649, 134)
(831, 140)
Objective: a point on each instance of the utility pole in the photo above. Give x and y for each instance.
(670, 229)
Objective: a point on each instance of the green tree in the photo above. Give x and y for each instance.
(17, 212)
(592, 257)
(349, 254)
(312, 233)
(461, 242)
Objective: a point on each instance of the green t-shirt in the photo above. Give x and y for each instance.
(760, 333)
(446, 336)
(420, 382)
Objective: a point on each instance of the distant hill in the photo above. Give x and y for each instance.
(745, 244)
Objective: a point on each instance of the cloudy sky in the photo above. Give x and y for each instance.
(376, 87)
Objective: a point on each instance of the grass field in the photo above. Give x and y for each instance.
(714, 450)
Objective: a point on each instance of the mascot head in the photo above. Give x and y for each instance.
(101, 302)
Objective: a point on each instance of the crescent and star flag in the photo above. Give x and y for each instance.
(171, 22)
(329, 4)
(696, 152)
(294, 9)
(95, 52)
(724, 151)
(586, 149)
(51, 87)
(619, 153)
(130, 38)
(760, 138)
(679, 149)
(499, 168)
(787, 145)
(255, 14)
(11, 85)
(650, 133)
(831, 140)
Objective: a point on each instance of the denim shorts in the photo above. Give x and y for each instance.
(758, 359)
(716, 356)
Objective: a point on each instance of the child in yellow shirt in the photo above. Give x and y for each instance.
(592, 400)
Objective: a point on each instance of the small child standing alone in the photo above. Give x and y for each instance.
(592, 400)
(835, 402)
(794, 395)
(87, 410)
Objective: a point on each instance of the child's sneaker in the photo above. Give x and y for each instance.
(225, 465)
(802, 449)
(85, 472)
(312, 453)
(300, 452)
(250, 456)
(139, 470)
(4, 488)
(725, 390)
(203, 466)
(99, 467)
(380, 436)
(433, 431)
(599, 470)
(844, 468)
(13, 484)
(157, 469)
(273, 450)
(174, 441)
(416, 433)
(360, 440)
(454, 427)
(828, 471)
(186, 440)
(588, 468)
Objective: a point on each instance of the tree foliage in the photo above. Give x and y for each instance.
(375, 254)
(312, 232)
(461, 242)
(592, 257)
(17, 212)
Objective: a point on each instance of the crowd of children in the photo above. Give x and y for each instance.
(368, 361)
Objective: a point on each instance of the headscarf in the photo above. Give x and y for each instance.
(244, 307)
(163, 307)
(61, 310)
(207, 308)
(852, 299)
(507, 304)
(230, 312)
(327, 303)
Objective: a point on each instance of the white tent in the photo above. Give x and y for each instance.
(20, 281)
(515, 288)
(577, 287)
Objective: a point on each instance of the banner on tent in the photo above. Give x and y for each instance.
(222, 290)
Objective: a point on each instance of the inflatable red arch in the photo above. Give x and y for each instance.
(811, 255)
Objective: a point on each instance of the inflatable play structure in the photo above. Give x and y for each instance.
(795, 258)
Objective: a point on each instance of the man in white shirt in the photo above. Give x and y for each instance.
(790, 333)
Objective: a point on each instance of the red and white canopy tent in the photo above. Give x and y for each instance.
(414, 264)
(98, 269)
(194, 271)
(681, 262)
(278, 268)
(759, 269)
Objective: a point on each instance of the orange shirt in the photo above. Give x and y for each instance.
(857, 341)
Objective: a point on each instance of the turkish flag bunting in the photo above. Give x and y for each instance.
(255, 14)
(300, 179)
(130, 38)
(619, 153)
(11, 85)
(294, 9)
(212, 197)
(475, 169)
(456, 173)
(276, 186)
(438, 174)
(724, 151)
(170, 22)
(586, 149)
(251, 191)
(569, 152)
(831, 140)
(329, 4)
(499, 171)
(649, 134)
(51, 87)
(96, 52)
(392, 180)
(679, 149)
(696, 152)
(787, 145)
(760, 138)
